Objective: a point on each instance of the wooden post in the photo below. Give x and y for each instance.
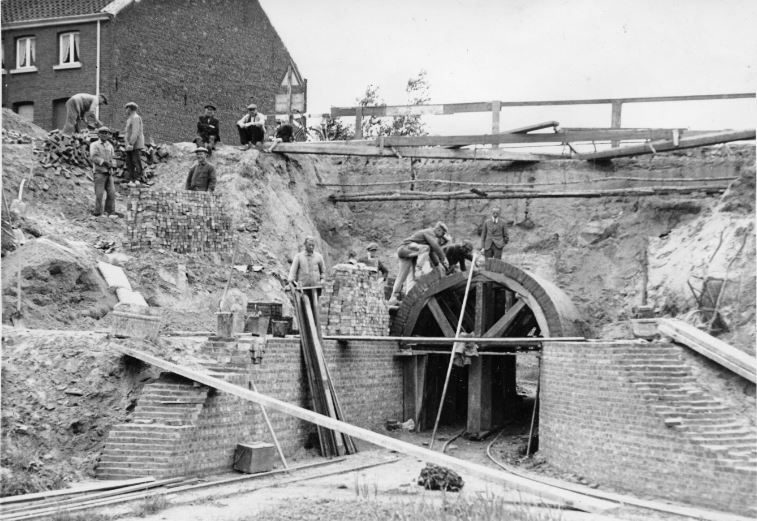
(617, 107)
(480, 371)
(359, 123)
(496, 108)
(414, 388)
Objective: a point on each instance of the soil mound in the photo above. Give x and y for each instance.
(12, 121)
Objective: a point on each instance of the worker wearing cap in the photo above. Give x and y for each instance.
(81, 107)
(134, 139)
(202, 175)
(208, 130)
(494, 235)
(407, 255)
(457, 254)
(101, 155)
(372, 260)
(251, 127)
(308, 268)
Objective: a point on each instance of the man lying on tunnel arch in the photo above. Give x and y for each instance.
(407, 254)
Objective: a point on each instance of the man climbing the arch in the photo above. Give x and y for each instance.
(407, 255)
(79, 108)
(494, 235)
(457, 254)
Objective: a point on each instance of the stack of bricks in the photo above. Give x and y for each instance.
(181, 221)
(353, 302)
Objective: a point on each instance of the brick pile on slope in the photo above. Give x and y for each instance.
(659, 373)
(180, 221)
(353, 302)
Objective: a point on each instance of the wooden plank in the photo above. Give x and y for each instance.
(359, 123)
(617, 108)
(536, 126)
(479, 396)
(454, 108)
(496, 109)
(440, 317)
(420, 390)
(521, 194)
(479, 318)
(662, 146)
(501, 325)
(82, 489)
(571, 499)
(512, 341)
(343, 149)
(716, 350)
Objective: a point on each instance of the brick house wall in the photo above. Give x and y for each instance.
(45, 85)
(598, 418)
(173, 57)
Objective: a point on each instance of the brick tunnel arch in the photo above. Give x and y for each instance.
(544, 309)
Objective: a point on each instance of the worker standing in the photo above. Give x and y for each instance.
(135, 142)
(101, 155)
(202, 175)
(251, 127)
(308, 269)
(407, 255)
(208, 130)
(494, 235)
(371, 260)
(81, 107)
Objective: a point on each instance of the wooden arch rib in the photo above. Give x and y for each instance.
(554, 312)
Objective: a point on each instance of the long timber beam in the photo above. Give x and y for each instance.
(521, 194)
(570, 499)
(340, 149)
(667, 145)
(486, 106)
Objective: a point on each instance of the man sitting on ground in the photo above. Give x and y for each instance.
(407, 254)
(208, 132)
(202, 175)
(251, 127)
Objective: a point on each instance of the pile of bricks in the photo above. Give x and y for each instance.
(353, 302)
(181, 221)
(59, 152)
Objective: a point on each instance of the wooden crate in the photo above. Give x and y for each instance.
(252, 458)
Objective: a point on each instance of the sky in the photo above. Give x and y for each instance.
(523, 50)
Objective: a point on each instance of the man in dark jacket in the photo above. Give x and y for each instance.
(408, 254)
(202, 175)
(457, 254)
(494, 235)
(208, 132)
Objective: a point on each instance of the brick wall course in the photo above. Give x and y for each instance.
(598, 419)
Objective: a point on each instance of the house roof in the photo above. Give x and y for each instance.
(23, 10)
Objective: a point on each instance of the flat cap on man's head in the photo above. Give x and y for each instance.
(443, 226)
(104, 99)
(251, 106)
(372, 247)
(201, 149)
(103, 130)
(131, 105)
(209, 106)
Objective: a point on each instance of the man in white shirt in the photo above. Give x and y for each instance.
(251, 127)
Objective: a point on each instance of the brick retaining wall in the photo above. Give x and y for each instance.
(632, 416)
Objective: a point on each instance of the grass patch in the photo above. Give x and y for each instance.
(151, 505)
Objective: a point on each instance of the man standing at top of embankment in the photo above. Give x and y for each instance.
(79, 107)
(407, 254)
(494, 235)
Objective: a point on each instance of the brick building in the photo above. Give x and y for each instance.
(169, 56)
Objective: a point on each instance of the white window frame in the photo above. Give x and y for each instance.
(74, 43)
(29, 43)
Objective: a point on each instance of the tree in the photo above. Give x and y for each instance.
(418, 93)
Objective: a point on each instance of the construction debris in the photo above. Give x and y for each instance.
(434, 477)
(16, 138)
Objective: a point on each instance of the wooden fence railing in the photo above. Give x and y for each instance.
(495, 107)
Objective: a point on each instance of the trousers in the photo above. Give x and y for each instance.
(133, 165)
(253, 135)
(493, 252)
(104, 185)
